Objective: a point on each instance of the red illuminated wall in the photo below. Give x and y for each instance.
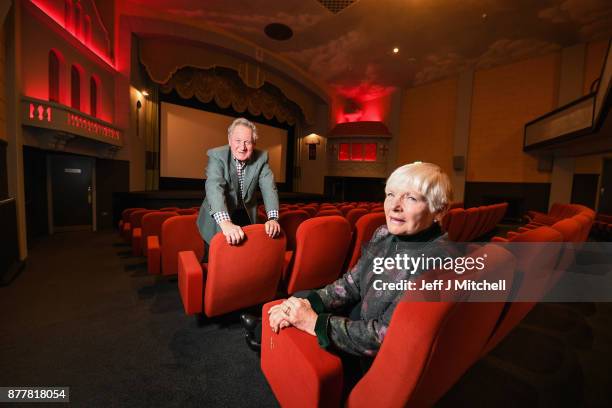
(361, 103)
(45, 27)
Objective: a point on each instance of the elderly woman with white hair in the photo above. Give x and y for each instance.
(417, 196)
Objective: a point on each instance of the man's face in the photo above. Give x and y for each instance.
(241, 142)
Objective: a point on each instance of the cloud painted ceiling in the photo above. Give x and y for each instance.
(436, 38)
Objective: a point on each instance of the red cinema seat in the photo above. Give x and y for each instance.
(151, 226)
(321, 247)
(470, 226)
(186, 211)
(364, 229)
(136, 223)
(125, 228)
(355, 214)
(327, 213)
(236, 276)
(454, 222)
(289, 222)
(312, 211)
(169, 209)
(125, 219)
(417, 363)
(178, 233)
(535, 271)
(345, 209)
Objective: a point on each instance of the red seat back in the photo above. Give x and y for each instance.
(179, 233)
(136, 217)
(353, 215)
(321, 247)
(326, 213)
(364, 229)
(419, 359)
(125, 214)
(152, 223)
(289, 222)
(243, 275)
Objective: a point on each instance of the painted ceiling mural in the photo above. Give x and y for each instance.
(352, 50)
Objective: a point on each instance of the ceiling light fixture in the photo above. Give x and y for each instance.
(395, 50)
(145, 92)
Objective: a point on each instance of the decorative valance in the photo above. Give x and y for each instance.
(226, 88)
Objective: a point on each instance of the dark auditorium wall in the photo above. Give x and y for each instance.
(35, 185)
(3, 171)
(112, 176)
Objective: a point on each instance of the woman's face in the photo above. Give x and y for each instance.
(406, 211)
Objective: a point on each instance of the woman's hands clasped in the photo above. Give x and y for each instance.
(295, 312)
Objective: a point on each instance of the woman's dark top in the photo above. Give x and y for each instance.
(355, 290)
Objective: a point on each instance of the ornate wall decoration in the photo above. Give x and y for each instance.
(227, 89)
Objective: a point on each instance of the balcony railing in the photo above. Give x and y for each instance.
(54, 116)
(574, 120)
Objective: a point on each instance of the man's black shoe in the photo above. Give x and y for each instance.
(251, 342)
(249, 322)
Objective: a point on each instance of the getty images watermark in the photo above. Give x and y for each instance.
(411, 265)
(492, 271)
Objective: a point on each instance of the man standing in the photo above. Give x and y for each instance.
(233, 173)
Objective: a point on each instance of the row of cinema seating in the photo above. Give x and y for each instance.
(318, 250)
(429, 345)
(465, 225)
(146, 229)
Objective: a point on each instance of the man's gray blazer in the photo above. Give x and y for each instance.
(222, 188)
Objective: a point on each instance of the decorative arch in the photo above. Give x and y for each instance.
(76, 75)
(94, 95)
(56, 64)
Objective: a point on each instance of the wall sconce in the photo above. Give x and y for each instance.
(138, 107)
(312, 140)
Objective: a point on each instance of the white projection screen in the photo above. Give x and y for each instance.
(187, 133)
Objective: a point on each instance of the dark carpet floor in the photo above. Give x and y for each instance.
(85, 314)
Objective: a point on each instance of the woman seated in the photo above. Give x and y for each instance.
(417, 196)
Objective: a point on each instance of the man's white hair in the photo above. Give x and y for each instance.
(242, 122)
(427, 179)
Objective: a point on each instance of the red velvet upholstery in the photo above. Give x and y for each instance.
(454, 222)
(126, 233)
(237, 276)
(136, 222)
(345, 209)
(427, 348)
(353, 215)
(289, 222)
(541, 266)
(186, 211)
(169, 209)
(315, 375)
(364, 229)
(179, 233)
(312, 211)
(151, 225)
(322, 244)
(326, 213)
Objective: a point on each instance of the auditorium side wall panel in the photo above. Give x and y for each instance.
(427, 124)
(504, 99)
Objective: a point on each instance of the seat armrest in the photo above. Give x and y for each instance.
(190, 282)
(153, 255)
(126, 232)
(136, 241)
(299, 372)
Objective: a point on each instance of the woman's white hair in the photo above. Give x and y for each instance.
(242, 122)
(427, 179)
